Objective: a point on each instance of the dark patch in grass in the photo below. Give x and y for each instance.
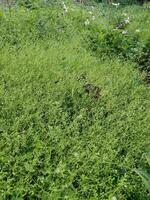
(93, 91)
(147, 78)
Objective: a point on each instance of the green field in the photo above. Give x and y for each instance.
(74, 101)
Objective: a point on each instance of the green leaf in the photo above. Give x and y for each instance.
(145, 177)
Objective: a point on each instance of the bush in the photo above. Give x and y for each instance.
(143, 58)
(111, 42)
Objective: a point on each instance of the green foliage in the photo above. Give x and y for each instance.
(144, 57)
(30, 4)
(112, 41)
(144, 174)
(74, 112)
(123, 2)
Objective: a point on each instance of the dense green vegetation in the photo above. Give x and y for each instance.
(74, 101)
(144, 174)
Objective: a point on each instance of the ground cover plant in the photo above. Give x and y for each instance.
(74, 104)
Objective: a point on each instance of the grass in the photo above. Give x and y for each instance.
(57, 140)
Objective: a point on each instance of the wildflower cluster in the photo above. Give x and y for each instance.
(92, 17)
(123, 24)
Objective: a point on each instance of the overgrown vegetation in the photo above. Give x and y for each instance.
(74, 106)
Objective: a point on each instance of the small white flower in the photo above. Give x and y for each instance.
(125, 32)
(125, 14)
(137, 31)
(114, 198)
(93, 17)
(64, 7)
(92, 7)
(116, 4)
(86, 22)
(127, 21)
(90, 12)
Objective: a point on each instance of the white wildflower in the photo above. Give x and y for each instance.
(92, 7)
(114, 198)
(87, 22)
(64, 7)
(137, 31)
(125, 14)
(116, 4)
(90, 13)
(127, 21)
(93, 17)
(125, 32)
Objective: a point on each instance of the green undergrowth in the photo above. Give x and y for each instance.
(74, 120)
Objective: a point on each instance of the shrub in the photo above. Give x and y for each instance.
(143, 58)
